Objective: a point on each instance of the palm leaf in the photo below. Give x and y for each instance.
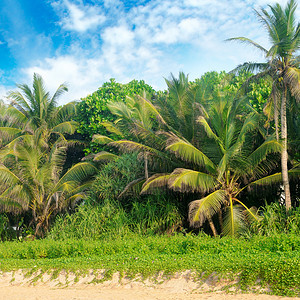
(105, 156)
(185, 180)
(200, 210)
(234, 220)
(101, 139)
(68, 127)
(154, 182)
(189, 153)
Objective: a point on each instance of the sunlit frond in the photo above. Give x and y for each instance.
(105, 156)
(68, 127)
(101, 139)
(185, 180)
(188, 152)
(154, 182)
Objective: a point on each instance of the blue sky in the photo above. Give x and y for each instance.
(87, 42)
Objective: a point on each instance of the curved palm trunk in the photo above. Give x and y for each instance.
(284, 153)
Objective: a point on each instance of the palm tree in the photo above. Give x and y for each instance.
(282, 66)
(36, 109)
(32, 178)
(223, 170)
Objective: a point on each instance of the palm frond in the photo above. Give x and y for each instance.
(105, 156)
(154, 182)
(200, 210)
(185, 180)
(188, 152)
(101, 139)
(234, 220)
(245, 40)
(68, 127)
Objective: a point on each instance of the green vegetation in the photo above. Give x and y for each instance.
(163, 172)
(274, 261)
(93, 112)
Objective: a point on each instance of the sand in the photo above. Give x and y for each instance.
(15, 286)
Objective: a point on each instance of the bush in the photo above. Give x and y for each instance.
(104, 214)
(274, 219)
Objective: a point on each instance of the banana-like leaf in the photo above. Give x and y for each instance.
(186, 180)
(200, 210)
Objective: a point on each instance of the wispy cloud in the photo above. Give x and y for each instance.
(79, 17)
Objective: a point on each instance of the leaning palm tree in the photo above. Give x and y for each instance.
(282, 67)
(32, 179)
(222, 171)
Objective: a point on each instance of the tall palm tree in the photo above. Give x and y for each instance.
(282, 66)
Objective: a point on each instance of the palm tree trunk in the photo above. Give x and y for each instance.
(276, 117)
(146, 165)
(212, 226)
(284, 153)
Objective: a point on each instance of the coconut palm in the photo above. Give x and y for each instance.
(282, 66)
(34, 108)
(32, 178)
(221, 171)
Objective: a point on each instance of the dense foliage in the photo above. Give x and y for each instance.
(93, 110)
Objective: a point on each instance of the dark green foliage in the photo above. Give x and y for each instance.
(4, 223)
(271, 262)
(93, 109)
(105, 214)
(257, 92)
(114, 176)
(275, 219)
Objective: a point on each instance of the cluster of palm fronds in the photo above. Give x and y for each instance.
(33, 153)
(211, 143)
(202, 144)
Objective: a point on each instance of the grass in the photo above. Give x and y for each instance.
(274, 260)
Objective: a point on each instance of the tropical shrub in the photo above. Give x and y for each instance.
(93, 109)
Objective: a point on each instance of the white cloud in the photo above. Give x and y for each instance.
(81, 76)
(80, 17)
(118, 36)
(149, 41)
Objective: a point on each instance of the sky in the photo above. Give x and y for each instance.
(84, 43)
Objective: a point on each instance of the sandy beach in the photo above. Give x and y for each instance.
(15, 286)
